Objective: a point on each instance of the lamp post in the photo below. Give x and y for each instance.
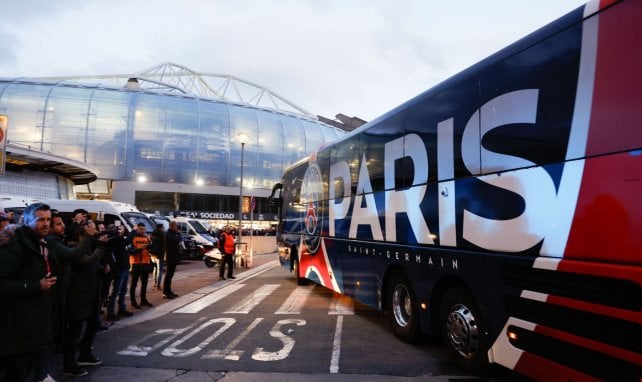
(243, 138)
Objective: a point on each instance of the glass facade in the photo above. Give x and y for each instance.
(164, 137)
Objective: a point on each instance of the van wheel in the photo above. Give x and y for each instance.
(401, 307)
(463, 330)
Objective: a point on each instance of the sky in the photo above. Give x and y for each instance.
(356, 57)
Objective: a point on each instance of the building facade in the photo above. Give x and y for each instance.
(161, 148)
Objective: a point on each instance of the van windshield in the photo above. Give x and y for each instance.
(160, 220)
(136, 217)
(198, 226)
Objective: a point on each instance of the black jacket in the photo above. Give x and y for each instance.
(158, 243)
(172, 245)
(26, 310)
(83, 300)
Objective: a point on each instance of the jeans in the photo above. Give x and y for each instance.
(119, 289)
(74, 331)
(157, 275)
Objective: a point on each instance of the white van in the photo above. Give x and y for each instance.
(196, 230)
(109, 212)
(15, 204)
(159, 219)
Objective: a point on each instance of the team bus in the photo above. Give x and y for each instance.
(500, 209)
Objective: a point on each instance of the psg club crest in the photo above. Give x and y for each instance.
(311, 194)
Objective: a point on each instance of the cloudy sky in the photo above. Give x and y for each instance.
(357, 57)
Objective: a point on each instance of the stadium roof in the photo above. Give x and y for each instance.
(176, 78)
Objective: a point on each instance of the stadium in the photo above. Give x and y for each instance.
(166, 139)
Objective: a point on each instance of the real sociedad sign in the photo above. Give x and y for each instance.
(224, 215)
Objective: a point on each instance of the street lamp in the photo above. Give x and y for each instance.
(243, 138)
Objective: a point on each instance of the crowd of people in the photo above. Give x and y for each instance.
(57, 281)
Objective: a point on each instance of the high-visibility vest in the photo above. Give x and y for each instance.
(228, 243)
(141, 257)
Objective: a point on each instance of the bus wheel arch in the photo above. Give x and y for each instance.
(400, 304)
(463, 328)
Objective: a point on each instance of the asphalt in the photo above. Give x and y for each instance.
(191, 281)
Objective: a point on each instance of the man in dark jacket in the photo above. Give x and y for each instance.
(118, 248)
(83, 304)
(62, 255)
(172, 255)
(25, 297)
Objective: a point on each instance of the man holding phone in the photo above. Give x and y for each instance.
(25, 294)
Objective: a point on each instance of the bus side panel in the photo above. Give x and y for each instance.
(580, 309)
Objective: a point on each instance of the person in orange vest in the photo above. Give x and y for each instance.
(227, 247)
(140, 265)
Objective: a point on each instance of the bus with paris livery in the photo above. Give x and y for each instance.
(500, 210)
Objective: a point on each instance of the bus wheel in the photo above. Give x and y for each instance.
(401, 308)
(463, 330)
(299, 280)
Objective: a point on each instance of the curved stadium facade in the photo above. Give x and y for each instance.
(165, 139)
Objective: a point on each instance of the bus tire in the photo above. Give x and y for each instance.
(464, 331)
(401, 308)
(295, 268)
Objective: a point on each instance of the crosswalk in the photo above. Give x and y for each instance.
(293, 304)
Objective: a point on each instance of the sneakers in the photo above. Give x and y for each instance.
(174, 294)
(222, 278)
(124, 313)
(146, 303)
(88, 360)
(135, 305)
(112, 317)
(231, 277)
(75, 371)
(168, 296)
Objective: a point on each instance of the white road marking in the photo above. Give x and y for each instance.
(209, 299)
(295, 301)
(336, 346)
(341, 305)
(288, 342)
(246, 305)
(136, 349)
(229, 352)
(173, 351)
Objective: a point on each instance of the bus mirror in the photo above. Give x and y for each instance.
(274, 201)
